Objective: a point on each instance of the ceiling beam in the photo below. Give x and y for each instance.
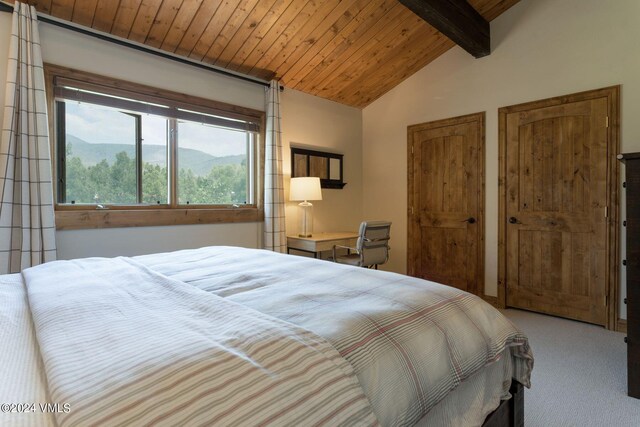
(456, 19)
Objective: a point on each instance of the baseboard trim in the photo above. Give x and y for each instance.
(622, 326)
(491, 300)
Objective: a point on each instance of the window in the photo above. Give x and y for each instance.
(213, 173)
(125, 147)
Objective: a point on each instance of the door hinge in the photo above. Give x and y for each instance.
(606, 211)
(606, 300)
(411, 148)
(411, 210)
(606, 122)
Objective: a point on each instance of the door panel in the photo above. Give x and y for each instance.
(556, 195)
(446, 196)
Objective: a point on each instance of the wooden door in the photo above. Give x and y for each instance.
(556, 207)
(446, 202)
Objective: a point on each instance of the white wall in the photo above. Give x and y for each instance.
(309, 120)
(130, 241)
(315, 123)
(540, 49)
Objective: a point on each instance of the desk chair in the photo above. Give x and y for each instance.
(372, 247)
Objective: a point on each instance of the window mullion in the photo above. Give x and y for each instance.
(61, 148)
(172, 132)
(249, 185)
(251, 168)
(138, 157)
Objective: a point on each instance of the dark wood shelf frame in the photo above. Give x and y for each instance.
(317, 163)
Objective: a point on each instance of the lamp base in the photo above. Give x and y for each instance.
(305, 219)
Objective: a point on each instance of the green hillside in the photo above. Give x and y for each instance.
(199, 162)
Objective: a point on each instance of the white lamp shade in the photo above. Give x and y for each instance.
(306, 188)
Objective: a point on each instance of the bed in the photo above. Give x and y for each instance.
(234, 336)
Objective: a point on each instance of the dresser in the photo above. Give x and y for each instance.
(632, 218)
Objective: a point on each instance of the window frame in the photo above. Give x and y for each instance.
(82, 216)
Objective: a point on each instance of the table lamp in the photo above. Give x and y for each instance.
(305, 189)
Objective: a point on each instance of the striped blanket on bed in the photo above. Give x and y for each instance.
(123, 345)
(410, 341)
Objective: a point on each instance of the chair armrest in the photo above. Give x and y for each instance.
(381, 239)
(342, 247)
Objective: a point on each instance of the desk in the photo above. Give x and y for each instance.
(321, 242)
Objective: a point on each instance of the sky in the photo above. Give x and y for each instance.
(82, 121)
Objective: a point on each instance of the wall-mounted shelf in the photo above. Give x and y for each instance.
(327, 166)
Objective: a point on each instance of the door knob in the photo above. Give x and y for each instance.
(471, 220)
(513, 220)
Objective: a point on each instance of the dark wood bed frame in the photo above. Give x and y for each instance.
(510, 412)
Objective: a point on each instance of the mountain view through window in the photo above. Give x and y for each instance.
(103, 166)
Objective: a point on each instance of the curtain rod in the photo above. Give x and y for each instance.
(4, 7)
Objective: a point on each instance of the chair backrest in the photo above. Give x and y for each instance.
(373, 242)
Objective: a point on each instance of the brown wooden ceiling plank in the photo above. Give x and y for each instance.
(198, 26)
(303, 55)
(184, 17)
(163, 22)
(491, 9)
(372, 55)
(125, 17)
(398, 65)
(370, 87)
(304, 43)
(312, 30)
(144, 20)
(407, 71)
(493, 12)
(354, 27)
(217, 23)
(83, 12)
(43, 6)
(483, 6)
(233, 25)
(62, 9)
(245, 31)
(259, 33)
(366, 32)
(386, 26)
(282, 23)
(105, 13)
(458, 20)
(371, 93)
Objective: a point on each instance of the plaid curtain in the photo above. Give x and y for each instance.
(27, 227)
(274, 233)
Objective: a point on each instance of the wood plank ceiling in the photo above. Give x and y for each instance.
(348, 51)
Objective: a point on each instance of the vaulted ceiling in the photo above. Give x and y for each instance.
(349, 51)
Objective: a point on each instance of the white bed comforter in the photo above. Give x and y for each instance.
(410, 341)
(132, 341)
(123, 345)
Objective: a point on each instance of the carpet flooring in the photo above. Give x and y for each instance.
(579, 376)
